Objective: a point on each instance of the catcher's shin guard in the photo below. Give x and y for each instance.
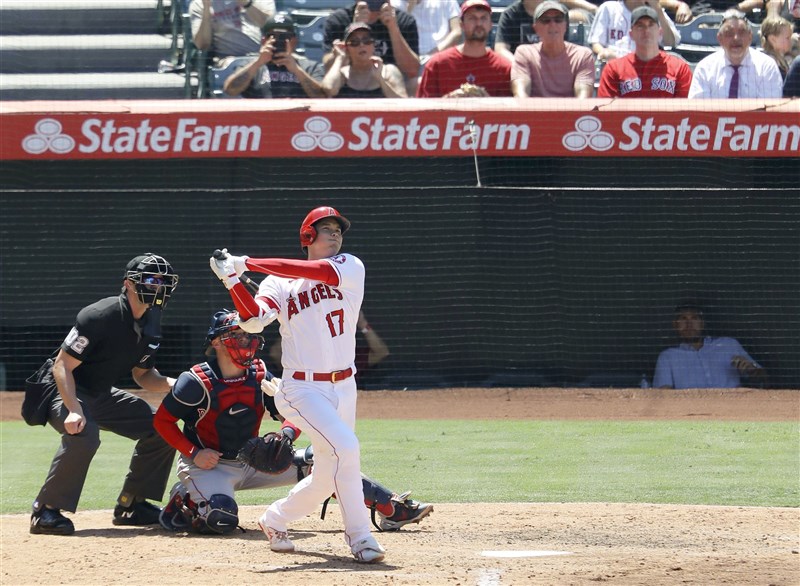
(378, 498)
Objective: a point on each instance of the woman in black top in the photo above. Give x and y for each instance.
(357, 73)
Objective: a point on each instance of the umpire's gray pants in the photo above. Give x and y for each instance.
(119, 412)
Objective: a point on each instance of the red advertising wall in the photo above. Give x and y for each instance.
(495, 127)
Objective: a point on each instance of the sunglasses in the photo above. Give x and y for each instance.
(549, 19)
(357, 42)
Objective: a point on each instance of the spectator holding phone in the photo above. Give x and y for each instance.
(396, 40)
(277, 71)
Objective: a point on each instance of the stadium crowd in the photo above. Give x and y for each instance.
(529, 48)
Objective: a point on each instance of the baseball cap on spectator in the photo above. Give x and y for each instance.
(475, 4)
(279, 22)
(549, 5)
(356, 26)
(641, 12)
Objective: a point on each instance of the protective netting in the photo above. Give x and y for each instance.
(496, 285)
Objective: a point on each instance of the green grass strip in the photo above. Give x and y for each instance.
(677, 462)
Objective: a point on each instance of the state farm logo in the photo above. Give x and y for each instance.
(48, 136)
(587, 133)
(376, 133)
(317, 135)
(182, 135)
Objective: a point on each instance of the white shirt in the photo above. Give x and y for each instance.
(318, 321)
(433, 20)
(234, 33)
(611, 27)
(710, 367)
(759, 76)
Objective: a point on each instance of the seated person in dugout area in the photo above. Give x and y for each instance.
(470, 69)
(229, 28)
(609, 35)
(701, 361)
(394, 32)
(515, 26)
(648, 72)
(438, 25)
(277, 71)
(221, 403)
(552, 68)
(356, 72)
(370, 350)
(737, 70)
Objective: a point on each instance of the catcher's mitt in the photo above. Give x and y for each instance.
(272, 453)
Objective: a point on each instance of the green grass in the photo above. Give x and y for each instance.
(708, 463)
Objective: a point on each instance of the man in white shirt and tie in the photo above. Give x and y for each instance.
(737, 70)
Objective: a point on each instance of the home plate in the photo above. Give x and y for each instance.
(525, 553)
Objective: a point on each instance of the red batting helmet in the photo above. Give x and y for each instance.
(307, 231)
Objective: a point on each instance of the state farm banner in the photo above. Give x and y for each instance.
(184, 131)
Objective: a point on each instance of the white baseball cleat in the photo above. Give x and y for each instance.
(278, 540)
(368, 551)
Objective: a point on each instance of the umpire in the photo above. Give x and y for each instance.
(111, 337)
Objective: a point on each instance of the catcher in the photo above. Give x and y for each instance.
(222, 403)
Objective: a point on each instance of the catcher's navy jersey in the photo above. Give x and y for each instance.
(221, 414)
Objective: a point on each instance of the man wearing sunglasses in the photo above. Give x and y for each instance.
(111, 338)
(552, 68)
(470, 69)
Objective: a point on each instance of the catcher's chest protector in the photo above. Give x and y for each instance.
(233, 408)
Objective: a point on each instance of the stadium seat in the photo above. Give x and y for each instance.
(699, 37)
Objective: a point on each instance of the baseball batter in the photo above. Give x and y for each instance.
(316, 302)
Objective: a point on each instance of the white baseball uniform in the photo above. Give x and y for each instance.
(318, 392)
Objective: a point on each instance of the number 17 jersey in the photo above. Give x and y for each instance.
(317, 320)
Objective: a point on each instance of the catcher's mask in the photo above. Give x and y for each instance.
(308, 233)
(241, 346)
(153, 278)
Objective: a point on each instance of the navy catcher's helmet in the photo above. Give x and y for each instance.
(241, 346)
(154, 278)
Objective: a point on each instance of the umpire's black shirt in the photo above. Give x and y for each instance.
(108, 342)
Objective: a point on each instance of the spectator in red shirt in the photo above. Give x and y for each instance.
(470, 69)
(648, 72)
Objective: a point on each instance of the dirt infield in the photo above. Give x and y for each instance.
(460, 545)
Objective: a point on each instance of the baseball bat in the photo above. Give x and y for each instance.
(251, 285)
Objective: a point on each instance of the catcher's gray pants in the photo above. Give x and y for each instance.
(227, 477)
(119, 412)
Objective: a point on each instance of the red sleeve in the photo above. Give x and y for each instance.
(166, 424)
(609, 87)
(296, 429)
(317, 270)
(683, 81)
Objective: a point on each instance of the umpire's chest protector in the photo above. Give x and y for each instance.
(233, 408)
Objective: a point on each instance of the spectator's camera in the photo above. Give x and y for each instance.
(280, 41)
(375, 5)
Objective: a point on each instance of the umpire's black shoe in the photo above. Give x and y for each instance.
(141, 513)
(50, 522)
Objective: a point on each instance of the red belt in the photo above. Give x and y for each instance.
(325, 377)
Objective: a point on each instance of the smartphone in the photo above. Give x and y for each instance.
(375, 5)
(280, 42)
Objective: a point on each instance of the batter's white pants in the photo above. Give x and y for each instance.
(327, 413)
